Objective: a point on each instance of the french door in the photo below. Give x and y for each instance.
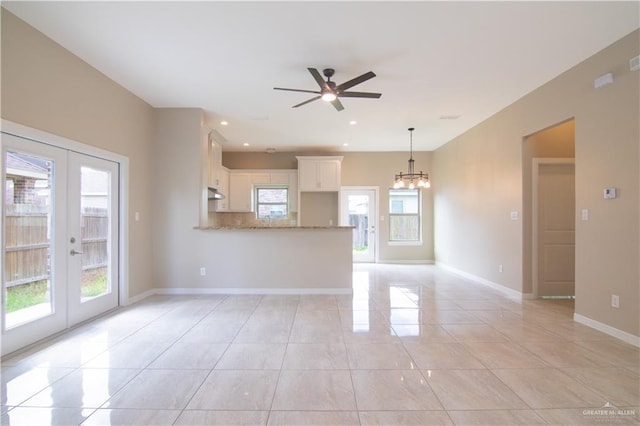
(358, 208)
(59, 239)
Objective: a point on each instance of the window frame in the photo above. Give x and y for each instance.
(418, 214)
(257, 189)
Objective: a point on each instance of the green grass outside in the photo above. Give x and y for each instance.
(26, 295)
(94, 283)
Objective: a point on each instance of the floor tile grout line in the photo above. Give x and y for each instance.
(275, 388)
(213, 369)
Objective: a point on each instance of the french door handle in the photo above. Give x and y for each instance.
(73, 252)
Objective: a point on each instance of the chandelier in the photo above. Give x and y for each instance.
(412, 179)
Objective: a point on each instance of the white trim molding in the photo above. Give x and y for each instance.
(138, 298)
(509, 292)
(607, 329)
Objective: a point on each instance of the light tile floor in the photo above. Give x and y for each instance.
(413, 345)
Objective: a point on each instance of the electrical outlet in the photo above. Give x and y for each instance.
(500, 268)
(203, 272)
(615, 301)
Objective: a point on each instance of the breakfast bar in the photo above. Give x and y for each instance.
(275, 260)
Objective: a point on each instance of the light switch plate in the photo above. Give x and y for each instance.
(585, 214)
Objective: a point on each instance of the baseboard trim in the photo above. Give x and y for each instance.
(509, 292)
(139, 297)
(607, 329)
(407, 262)
(261, 291)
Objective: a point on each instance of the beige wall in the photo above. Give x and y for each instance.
(478, 180)
(362, 169)
(46, 87)
(179, 147)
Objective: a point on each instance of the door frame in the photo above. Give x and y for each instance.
(535, 173)
(47, 138)
(376, 213)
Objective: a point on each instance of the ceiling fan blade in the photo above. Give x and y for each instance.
(347, 84)
(336, 103)
(317, 77)
(360, 95)
(296, 90)
(307, 101)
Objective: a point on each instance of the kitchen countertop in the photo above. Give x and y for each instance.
(240, 227)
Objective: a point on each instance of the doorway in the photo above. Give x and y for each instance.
(358, 208)
(60, 245)
(553, 227)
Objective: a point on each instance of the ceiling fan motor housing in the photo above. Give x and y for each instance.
(328, 72)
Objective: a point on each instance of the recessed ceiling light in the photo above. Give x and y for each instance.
(224, 123)
(353, 122)
(245, 144)
(449, 117)
(345, 144)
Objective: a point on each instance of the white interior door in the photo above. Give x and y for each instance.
(556, 230)
(59, 240)
(358, 209)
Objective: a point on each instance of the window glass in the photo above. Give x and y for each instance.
(272, 202)
(404, 215)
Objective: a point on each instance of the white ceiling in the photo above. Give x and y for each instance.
(432, 59)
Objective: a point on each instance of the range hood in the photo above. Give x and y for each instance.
(214, 194)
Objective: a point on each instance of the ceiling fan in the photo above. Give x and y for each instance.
(330, 91)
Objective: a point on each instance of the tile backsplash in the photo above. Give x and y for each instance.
(249, 220)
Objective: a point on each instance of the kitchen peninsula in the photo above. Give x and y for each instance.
(284, 243)
(278, 260)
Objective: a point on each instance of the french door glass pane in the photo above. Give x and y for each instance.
(94, 211)
(359, 218)
(27, 265)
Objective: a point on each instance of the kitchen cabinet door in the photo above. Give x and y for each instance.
(319, 173)
(215, 164)
(240, 196)
(223, 205)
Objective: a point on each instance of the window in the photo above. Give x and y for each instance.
(272, 202)
(404, 215)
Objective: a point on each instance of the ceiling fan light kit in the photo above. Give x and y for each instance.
(411, 179)
(330, 92)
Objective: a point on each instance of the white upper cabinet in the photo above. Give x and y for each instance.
(215, 164)
(259, 178)
(240, 192)
(223, 205)
(280, 178)
(319, 173)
